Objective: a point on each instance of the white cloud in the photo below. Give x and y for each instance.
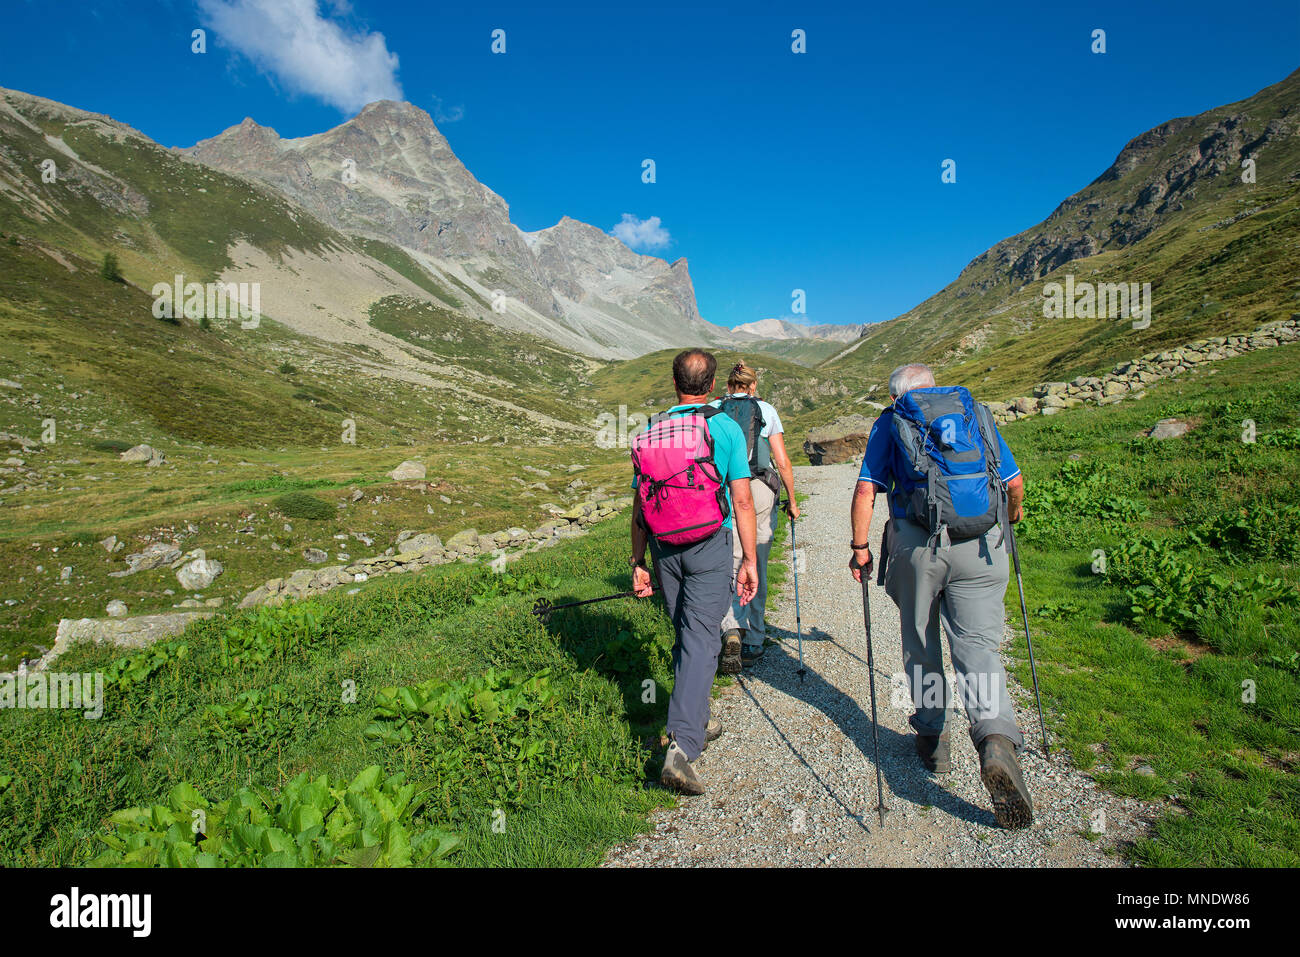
(453, 115)
(641, 233)
(307, 52)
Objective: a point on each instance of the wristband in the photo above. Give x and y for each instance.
(855, 546)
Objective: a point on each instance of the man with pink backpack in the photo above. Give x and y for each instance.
(691, 468)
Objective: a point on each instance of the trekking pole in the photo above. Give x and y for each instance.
(798, 625)
(1033, 669)
(871, 676)
(543, 608)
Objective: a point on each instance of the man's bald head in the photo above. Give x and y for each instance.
(694, 371)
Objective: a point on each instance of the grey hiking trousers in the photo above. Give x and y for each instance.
(750, 617)
(963, 585)
(697, 586)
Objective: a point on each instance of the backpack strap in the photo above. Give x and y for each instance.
(912, 437)
(993, 459)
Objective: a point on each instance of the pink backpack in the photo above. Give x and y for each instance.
(683, 499)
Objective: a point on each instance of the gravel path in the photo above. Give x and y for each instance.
(792, 782)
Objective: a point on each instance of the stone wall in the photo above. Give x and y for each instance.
(415, 552)
(1131, 378)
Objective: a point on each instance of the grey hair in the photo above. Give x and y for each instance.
(917, 375)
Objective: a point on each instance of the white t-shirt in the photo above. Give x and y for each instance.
(771, 426)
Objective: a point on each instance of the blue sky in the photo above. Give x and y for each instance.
(775, 171)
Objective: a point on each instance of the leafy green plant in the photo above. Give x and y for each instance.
(496, 587)
(1260, 529)
(1059, 610)
(1163, 586)
(1084, 490)
(498, 732)
(1281, 438)
(271, 633)
(367, 822)
(256, 718)
(133, 669)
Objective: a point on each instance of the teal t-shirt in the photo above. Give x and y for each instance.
(729, 452)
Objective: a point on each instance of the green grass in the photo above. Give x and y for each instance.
(172, 722)
(1155, 660)
(803, 397)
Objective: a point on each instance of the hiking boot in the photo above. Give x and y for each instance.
(933, 751)
(1000, 772)
(712, 731)
(750, 654)
(730, 663)
(678, 773)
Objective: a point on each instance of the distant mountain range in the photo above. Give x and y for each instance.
(785, 329)
(389, 174)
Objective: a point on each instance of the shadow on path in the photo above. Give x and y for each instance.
(902, 771)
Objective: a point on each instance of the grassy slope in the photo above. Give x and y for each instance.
(1209, 276)
(1133, 689)
(68, 773)
(226, 411)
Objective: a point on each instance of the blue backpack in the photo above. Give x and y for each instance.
(950, 441)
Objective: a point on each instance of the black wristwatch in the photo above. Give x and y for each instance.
(636, 563)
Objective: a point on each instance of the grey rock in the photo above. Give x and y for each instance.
(199, 573)
(841, 441)
(154, 556)
(408, 471)
(466, 540)
(1169, 429)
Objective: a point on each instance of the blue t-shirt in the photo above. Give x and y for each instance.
(885, 464)
(729, 452)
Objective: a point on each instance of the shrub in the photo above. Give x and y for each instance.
(109, 268)
(303, 505)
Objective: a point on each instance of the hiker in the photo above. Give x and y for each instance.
(743, 628)
(691, 480)
(946, 559)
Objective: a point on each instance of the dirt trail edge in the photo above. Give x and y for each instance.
(792, 782)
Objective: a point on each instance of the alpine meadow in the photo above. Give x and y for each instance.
(322, 463)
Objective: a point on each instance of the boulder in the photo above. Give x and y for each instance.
(423, 543)
(315, 555)
(843, 440)
(155, 556)
(408, 471)
(137, 453)
(1169, 429)
(138, 632)
(116, 608)
(464, 541)
(1026, 405)
(199, 573)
